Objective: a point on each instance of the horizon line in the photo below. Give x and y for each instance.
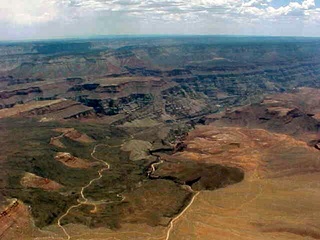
(101, 37)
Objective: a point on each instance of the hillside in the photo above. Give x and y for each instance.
(160, 138)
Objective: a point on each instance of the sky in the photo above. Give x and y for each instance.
(47, 19)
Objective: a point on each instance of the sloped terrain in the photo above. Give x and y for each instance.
(277, 199)
(34, 181)
(179, 78)
(160, 138)
(292, 113)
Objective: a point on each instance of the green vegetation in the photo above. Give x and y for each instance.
(123, 175)
(200, 176)
(27, 148)
(194, 77)
(161, 199)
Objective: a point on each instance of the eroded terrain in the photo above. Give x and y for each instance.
(191, 140)
(276, 200)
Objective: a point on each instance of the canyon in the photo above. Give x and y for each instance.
(160, 138)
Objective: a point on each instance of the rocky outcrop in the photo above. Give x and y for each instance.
(71, 161)
(10, 80)
(126, 104)
(290, 113)
(175, 81)
(30, 180)
(26, 91)
(60, 110)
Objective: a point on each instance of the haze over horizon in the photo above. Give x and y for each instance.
(46, 19)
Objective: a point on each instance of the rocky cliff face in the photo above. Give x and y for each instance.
(183, 79)
(139, 104)
(294, 113)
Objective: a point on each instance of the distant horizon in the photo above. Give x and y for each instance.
(120, 36)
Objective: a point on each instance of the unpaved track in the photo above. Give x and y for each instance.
(107, 167)
(84, 199)
(180, 215)
(153, 167)
(171, 224)
(58, 137)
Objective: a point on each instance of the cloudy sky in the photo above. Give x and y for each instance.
(43, 19)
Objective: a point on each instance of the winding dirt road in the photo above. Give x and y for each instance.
(84, 199)
(180, 215)
(100, 173)
(171, 224)
(153, 167)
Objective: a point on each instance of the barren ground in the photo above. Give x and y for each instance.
(277, 200)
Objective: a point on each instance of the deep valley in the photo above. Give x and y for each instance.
(160, 138)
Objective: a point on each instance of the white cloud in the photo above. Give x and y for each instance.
(28, 12)
(308, 4)
(255, 3)
(269, 12)
(40, 11)
(107, 15)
